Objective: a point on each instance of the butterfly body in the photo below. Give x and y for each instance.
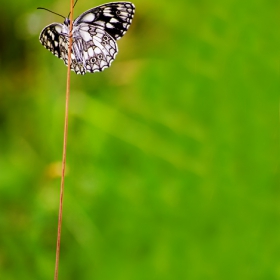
(94, 34)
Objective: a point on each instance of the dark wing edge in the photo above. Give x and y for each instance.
(115, 17)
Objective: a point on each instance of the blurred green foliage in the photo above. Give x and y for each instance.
(173, 152)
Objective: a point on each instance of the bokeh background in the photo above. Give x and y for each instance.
(173, 152)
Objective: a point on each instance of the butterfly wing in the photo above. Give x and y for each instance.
(115, 18)
(94, 34)
(54, 38)
(93, 47)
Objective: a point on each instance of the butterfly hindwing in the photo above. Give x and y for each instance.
(94, 48)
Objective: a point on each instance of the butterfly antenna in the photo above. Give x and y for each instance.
(73, 7)
(39, 8)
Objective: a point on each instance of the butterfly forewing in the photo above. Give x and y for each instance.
(51, 37)
(94, 37)
(115, 18)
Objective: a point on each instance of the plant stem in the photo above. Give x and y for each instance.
(64, 146)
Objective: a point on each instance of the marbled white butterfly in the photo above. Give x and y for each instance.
(94, 36)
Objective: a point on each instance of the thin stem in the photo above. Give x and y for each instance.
(64, 147)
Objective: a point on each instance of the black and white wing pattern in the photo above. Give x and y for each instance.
(94, 36)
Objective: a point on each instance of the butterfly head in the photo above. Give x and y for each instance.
(67, 21)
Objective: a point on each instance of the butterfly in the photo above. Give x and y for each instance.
(94, 34)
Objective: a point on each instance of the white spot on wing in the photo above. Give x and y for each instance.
(113, 20)
(98, 51)
(90, 52)
(109, 25)
(58, 28)
(85, 35)
(103, 63)
(112, 43)
(107, 14)
(112, 51)
(99, 22)
(86, 55)
(88, 17)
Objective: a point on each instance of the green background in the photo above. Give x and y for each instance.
(173, 152)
